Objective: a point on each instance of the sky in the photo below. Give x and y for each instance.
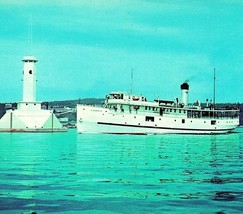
(88, 48)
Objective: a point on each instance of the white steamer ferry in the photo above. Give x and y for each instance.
(124, 113)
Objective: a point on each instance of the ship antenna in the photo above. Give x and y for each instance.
(30, 35)
(131, 81)
(214, 89)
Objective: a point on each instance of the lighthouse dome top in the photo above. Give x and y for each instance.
(29, 59)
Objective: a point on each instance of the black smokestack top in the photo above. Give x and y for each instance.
(184, 86)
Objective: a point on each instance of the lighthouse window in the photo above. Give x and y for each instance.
(30, 71)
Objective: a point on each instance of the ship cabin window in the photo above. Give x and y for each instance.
(122, 109)
(170, 110)
(146, 107)
(183, 120)
(117, 96)
(150, 119)
(115, 107)
(179, 111)
(161, 111)
(213, 122)
(175, 110)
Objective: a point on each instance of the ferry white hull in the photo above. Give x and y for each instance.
(102, 120)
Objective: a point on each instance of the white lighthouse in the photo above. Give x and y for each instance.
(29, 117)
(29, 79)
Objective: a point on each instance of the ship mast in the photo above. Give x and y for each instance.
(131, 81)
(30, 35)
(214, 90)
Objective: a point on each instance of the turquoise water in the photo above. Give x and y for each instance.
(70, 173)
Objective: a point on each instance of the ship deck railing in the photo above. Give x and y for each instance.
(213, 113)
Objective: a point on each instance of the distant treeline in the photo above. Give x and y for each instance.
(73, 103)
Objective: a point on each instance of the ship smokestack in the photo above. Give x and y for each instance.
(184, 93)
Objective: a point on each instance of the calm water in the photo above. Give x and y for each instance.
(70, 173)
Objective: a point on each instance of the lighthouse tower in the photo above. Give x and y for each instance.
(29, 79)
(29, 85)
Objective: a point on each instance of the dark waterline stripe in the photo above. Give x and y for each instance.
(156, 127)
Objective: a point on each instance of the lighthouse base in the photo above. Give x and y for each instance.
(30, 121)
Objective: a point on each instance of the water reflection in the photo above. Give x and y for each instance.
(47, 172)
